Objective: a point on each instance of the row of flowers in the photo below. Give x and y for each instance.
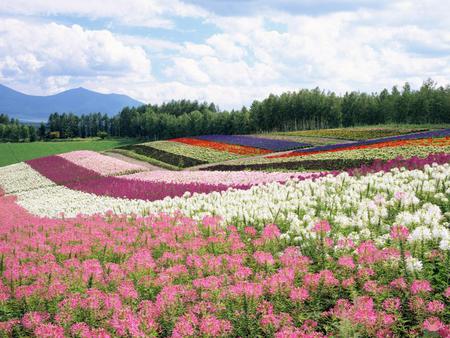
(358, 133)
(150, 186)
(381, 142)
(208, 155)
(101, 164)
(255, 142)
(231, 148)
(263, 203)
(337, 256)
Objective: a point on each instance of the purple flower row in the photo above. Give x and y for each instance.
(413, 136)
(399, 162)
(70, 175)
(255, 142)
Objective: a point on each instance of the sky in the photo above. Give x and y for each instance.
(229, 52)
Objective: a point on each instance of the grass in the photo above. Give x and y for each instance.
(11, 153)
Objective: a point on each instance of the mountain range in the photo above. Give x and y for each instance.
(78, 101)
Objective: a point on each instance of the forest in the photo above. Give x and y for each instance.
(303, 109)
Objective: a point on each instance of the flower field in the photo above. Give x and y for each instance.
(255, 142)
(92, 246)
(358, 133)
(230, 148)
(207, 155)
(348, 155)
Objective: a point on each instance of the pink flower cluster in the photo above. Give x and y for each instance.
(159, 275)
(101, 164)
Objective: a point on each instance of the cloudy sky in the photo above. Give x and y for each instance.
(229, 52)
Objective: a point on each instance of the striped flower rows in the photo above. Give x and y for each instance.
(151, 186)
(231, 148)
(339, 256)
(374, 143)
(255, 142)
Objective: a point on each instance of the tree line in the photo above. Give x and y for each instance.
(304, 109)
(11, 130)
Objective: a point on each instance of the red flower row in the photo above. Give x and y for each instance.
(230, 148)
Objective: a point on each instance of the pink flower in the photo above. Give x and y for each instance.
(250, 231)
(399, 232)
(211, 326)
(346, 261)
(49, 331)
(8, 326)
(435, 306)
(263, 258)
(399, 283)
(127, 290)
(391, 304)
(32, 319)
(432, 324)
(185, 327)
(371, 286)
(210, 282)
(346, 283)
(322, 227)
(270, 231)
(420, 286)
(447, 293)
(299, 294)
(252, 290)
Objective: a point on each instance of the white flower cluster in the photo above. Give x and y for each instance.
(362, 207)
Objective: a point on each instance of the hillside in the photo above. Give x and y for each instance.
(79, 101)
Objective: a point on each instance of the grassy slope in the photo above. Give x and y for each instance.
(16, 152)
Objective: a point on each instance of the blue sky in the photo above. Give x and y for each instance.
(230, 52)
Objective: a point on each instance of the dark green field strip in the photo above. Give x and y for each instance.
(163, 156)
(332, 164)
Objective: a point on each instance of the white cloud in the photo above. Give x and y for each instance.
(34, 51)
(145, 13)
(358, 47)
(187, 70)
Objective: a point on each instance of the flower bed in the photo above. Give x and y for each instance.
(255, 142)
(101, 164)
(334, 160)
(231, 148)
(64, 172)
(424, 138)
(150, 186)
(232, 179)
(199, 153)
(361, 133)
(341, 256)
(176, 160)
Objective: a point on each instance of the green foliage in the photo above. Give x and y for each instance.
(102, 134)
(301, 110)
(176, 160)
(198, 153)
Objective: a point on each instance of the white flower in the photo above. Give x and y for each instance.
(445, 244)
(413, 264)
(421, 233)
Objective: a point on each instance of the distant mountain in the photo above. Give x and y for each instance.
(78, 101)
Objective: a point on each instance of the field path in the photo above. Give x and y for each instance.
(147, 165)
